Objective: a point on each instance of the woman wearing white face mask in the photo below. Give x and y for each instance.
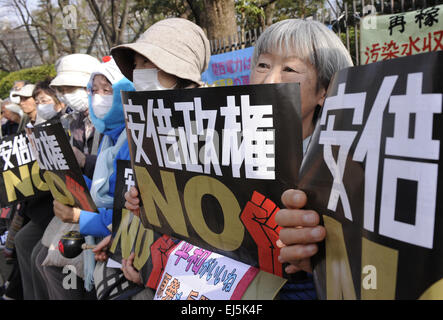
(73, 74)
(48, 105)
(106, 113)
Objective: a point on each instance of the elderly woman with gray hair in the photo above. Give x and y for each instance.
(309, 53)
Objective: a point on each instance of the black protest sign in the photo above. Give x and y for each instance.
(124, 227)
(211, 164)
(20, 177)
(129, 235)
(62, 173)
(373, 171)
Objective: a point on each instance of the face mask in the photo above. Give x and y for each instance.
(101, 104)
(77, 100)
(147, 80)
(46, 111)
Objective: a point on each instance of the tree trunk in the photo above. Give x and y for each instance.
(220, 21)
(269, 14)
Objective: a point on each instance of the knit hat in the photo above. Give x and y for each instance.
(74, 70)
(177, 46)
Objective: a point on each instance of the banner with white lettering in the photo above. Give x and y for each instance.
(62, 173)
(21, 177)
(211, 164)
(373, 172)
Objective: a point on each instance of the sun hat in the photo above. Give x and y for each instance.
(175, 45)
(74, 70)
(25, 91)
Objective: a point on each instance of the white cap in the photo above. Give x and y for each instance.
(14, 108)
(25, 91)
(74, 70)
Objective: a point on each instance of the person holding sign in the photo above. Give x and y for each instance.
(73, 72)
(48, 105)
(155, 62)
(106, 113)
(309, 53)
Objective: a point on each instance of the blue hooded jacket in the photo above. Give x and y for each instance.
(113, 127)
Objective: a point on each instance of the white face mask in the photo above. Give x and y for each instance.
(46, 111)
(101, 104)
(147, 80)
(77, 100)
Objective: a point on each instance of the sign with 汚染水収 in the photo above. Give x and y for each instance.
(373, 170)
(385, 37)
(211, 165)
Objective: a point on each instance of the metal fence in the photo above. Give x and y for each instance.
(342, 18)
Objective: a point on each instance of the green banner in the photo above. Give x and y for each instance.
(403, 34)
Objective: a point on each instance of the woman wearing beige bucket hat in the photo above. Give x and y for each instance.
(172, 53)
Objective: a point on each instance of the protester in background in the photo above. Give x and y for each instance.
(36, 211)
(171, 54)
(27, 102)
(16, 87)
(73, 73)
(48, 105)
(12, 289)
(106, 112)
(307, 52)
(11, 117)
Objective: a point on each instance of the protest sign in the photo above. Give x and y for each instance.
(373, 172)
(129, 235)
(20, 177)
(212, 276)
(386, 37)
(62, 173)
(229, 68)
(211, 165)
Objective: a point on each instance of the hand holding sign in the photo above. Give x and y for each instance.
(300, 232)
(132, 202)
(101, 249)
(129, 271)
(65, 213)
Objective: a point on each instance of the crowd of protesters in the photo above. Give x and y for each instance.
(85, 96)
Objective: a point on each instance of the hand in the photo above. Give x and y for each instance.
(132, 202)
(101, 249)
(300, 232)
(65, 213)
(129, 271)
(80, 156)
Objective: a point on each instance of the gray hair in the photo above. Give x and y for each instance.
(308, 40)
